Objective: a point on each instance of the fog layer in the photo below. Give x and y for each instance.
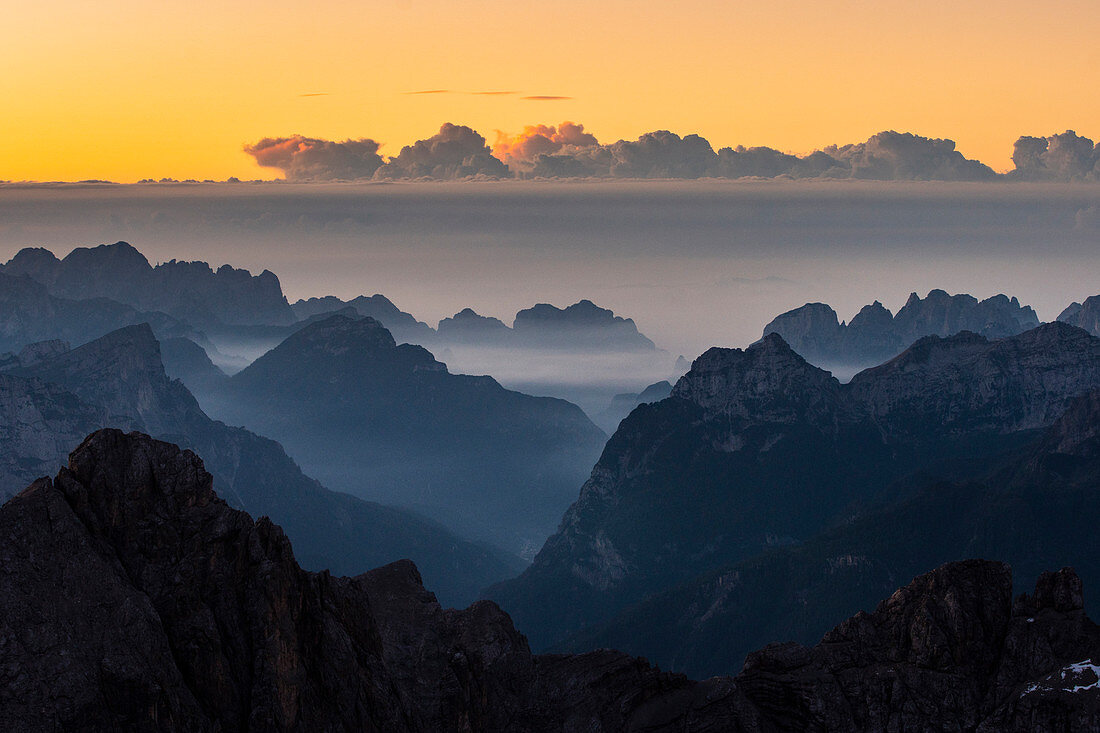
(693, 263)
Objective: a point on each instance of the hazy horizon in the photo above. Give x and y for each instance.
(695, 264)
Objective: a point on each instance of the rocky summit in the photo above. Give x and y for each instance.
(875, 334)
(133, 598)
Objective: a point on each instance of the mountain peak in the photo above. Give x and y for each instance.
(767, 376)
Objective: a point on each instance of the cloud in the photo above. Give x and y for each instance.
(314, 94)
(522, 150)
(1064, 157)
(896, 156)
(544, 98)
(311, 159)
(567, 151)
(431, 91)
(663, 154)
(455, 151)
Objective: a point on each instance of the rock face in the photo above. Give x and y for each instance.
(875, 335)
(389, 422)
(119, 381)
(757, 450)
(1083, 315)
(189, 291)
(133, 598)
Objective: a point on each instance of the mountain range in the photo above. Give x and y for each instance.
(875, 334)
(133, 598)
(119, 380)
(389, 422)
(757, 456)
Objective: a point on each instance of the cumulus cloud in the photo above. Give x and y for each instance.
(1064, 157)
(311, 159)
(898, 156)
(455, 151)
(567, 150)
(522, 150)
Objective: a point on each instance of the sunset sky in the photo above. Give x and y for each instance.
(128, 89)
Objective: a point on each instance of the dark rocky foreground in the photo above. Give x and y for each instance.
(133, 598)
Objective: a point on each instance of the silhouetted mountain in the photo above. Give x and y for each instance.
(28, 313)
(119, 381)
(188, 362)
(189, 291)
(467, 327)
(757, 449)
(583, 325)
(1035, 509)
(133, 598)
(404, 326)
(1083, 315)
(623, 404)
(390, 422)
(874, 334)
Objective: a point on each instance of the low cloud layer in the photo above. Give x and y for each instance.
(567, 150)
(310, 159)
(1064, 157)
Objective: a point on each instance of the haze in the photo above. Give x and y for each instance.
(694, 263)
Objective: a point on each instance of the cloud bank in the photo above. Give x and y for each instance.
(567, 150)
(1064, 157)
(310, 159)
(455, 151)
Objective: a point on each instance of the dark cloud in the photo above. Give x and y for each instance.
(1064, 157)
(544, 98)
(663, 154)
(310, 159)
(455, 151)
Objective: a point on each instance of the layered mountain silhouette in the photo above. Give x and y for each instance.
(388, 421)
(134, 598)
(1037, 506)
(623, 404)
(119, 381)
(192, 292)
(875, 334)
(29, 314)
(758, 450)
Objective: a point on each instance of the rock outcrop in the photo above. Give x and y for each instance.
(404, 326)
(133, 598)
(874, 334)
(583, 325)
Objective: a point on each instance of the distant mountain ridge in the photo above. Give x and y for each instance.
(223, 630)
(191, 292)
(875, 334)
(757, 449)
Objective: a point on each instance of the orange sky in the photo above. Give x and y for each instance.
(127, 89)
